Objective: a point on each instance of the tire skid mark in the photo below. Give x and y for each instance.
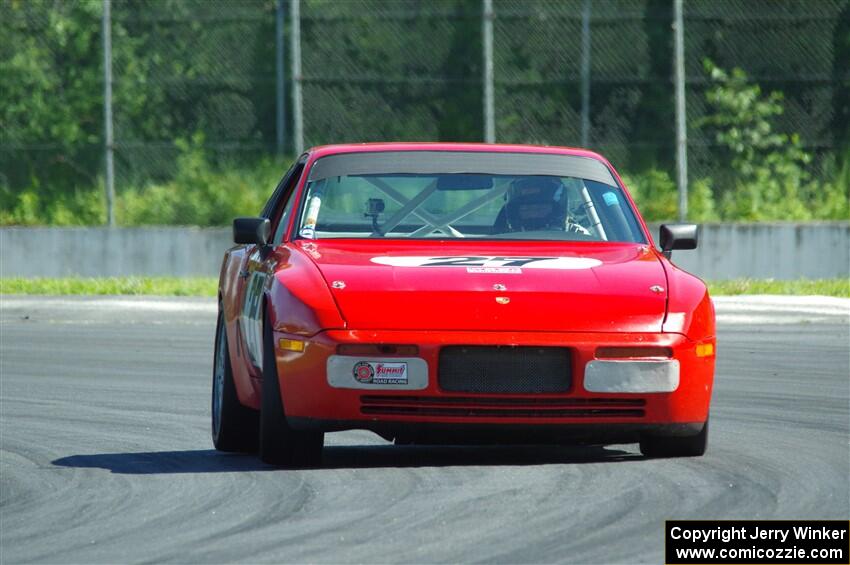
(106, 457)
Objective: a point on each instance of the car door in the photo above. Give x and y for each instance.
(260, 265)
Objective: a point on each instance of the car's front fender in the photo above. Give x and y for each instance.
(298, 299)
(689, 307)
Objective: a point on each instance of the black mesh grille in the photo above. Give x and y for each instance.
(502, 406)
(504, 369)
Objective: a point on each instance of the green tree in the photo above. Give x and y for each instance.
(766, 170)
(51, 111)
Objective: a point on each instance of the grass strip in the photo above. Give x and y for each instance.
(134, 286)
(800, 287)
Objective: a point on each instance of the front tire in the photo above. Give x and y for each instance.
(675, 446)
(280, 444)
(234, 426)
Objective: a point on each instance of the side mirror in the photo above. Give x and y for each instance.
(252, 230)
(678, 236)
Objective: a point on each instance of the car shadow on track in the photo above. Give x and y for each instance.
(349, 457)
(369, 456)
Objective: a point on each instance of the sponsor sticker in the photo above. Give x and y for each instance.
(495, 270)
(364, 372)
(308, 230)
(380, 373)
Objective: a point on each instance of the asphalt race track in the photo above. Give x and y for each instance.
(106, 454)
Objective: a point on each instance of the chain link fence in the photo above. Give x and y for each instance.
(538, 75)
(801, 49)
(400, 70)
(187, 67)
(203, 76)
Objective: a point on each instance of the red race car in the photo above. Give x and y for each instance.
(454, 293)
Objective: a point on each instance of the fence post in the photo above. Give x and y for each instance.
(107, 112)
(585, 73)
(297, 101)
(489, 102)
(681, 125)
(280, 87)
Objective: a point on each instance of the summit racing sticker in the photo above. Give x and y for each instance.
(487, 264)
(379, 373)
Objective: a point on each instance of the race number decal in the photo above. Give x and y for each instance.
(483, 264)
(250, 319)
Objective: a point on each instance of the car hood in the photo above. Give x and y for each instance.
(574, 287)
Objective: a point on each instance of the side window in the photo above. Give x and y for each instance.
(271, 204)
(286, 201)
(284, 218)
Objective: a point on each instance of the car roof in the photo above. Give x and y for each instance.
(325, 150)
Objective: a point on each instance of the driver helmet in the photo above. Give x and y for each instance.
(535, 203)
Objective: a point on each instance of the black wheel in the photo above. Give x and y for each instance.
(675, 446)
(280, 444)
(234, 426)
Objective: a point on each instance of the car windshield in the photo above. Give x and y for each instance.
(348, 200)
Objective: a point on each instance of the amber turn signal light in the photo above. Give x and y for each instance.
(291, 345)
(640, 352)
(705, 349)
(376, 349)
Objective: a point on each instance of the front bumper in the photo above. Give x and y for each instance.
(312, 399)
